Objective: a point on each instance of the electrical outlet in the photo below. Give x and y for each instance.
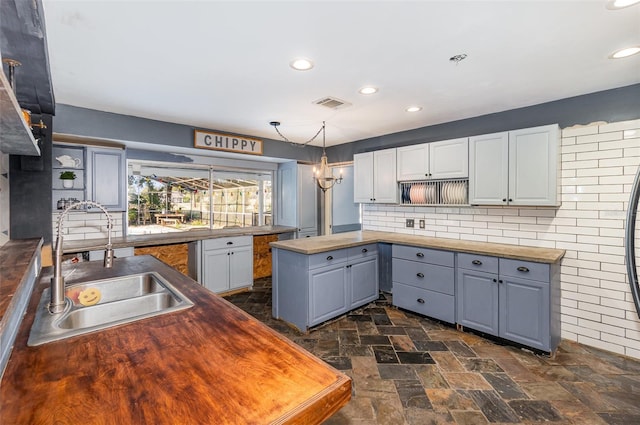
(409, 222)
(421, 224)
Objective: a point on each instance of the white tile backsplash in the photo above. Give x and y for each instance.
(599, 163)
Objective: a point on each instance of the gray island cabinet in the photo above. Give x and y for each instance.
(309, 289)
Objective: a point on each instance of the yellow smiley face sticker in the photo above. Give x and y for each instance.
(89, 296)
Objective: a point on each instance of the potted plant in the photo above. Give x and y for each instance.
(67, 178)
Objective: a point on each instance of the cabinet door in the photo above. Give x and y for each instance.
(413, 162)
(363, 277)
(477, 301)
(240, 267)
(363, 177)
(489, 169)
(307, 199)
(385, 186)
(524, 312)
(215, 269)
(533, 166)
(327, 294)
(449, 159)
(287, 195)
(106, 177)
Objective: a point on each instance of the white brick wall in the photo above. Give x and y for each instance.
(599, 163)
(87, 225)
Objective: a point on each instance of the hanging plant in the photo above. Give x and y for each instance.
(67, 175)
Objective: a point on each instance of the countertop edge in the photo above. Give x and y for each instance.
(351, 239)
(13, 315)
(171, 238)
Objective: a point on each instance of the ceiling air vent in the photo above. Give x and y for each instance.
(332, 102)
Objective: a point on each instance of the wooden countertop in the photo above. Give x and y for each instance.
(172, 237)
(211, 363)
(349, 239)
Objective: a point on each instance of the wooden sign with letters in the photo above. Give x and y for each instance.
(227, 142)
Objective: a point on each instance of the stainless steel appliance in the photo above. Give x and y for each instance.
(630, 241)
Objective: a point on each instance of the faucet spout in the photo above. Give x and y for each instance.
(58, 302)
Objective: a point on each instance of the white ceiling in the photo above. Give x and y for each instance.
(224, 65)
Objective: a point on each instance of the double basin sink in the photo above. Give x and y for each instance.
(100, 304)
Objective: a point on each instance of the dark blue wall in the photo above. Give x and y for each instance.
(106, 125)
(614, 105)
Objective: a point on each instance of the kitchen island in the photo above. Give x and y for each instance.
(210, 363)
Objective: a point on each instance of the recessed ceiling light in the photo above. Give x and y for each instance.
(621, 4)
(626, 52)
(301, 64)
(368, 90)
(414, 109)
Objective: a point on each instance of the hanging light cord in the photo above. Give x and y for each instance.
(275, 125)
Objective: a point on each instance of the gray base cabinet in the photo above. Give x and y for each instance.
(424, 281)
(311, 289)
(511, 299)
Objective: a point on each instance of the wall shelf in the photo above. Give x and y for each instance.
(17, 137)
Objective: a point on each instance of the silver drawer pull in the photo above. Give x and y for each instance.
(419, 254)
(420, 300)
(522, 269)
(329, 258)
(476, 262)
(365, 250)
(420, 275)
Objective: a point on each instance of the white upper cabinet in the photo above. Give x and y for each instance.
(375, 177)
(518, 167)
(413, 162)
(448, 159)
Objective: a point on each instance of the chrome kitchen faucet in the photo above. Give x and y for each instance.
(57, 304)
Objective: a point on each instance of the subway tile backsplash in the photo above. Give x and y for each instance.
(598, 164)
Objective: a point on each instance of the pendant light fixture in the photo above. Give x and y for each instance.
(322, 173)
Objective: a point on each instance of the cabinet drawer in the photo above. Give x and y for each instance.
(425, 255)
(227, 242)
(428, 303)
(524, 269)
(424, 276)
(327, 258)
(478, 262)
(362, 251)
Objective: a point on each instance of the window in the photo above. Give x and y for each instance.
(173, 198)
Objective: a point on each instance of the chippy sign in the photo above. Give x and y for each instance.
(227, 142)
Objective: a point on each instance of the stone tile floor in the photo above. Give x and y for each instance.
(407, 369)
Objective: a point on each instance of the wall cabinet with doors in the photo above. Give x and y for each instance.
(297, 198)
(512, 299)
(424, 281)
(100, 176)
(222, 264)
(311, 289)
(375, 177)
(515, 168)
(447, 159)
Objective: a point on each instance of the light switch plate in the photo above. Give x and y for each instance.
(421, 224)
(409, 222)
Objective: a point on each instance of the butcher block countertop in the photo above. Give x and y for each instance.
(209, 364)
(349, 239)
(172, 237)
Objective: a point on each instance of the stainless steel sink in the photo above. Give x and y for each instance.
(100, 304)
